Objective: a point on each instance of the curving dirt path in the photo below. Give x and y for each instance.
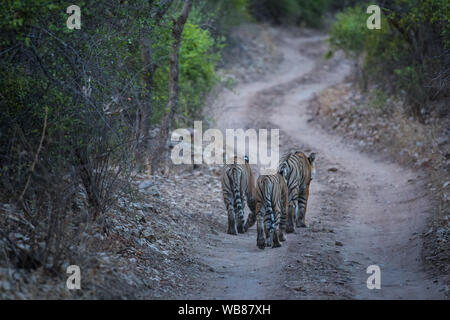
(363, 210)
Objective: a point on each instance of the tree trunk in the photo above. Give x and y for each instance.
(144, 110)
(148, 70)
(166, 122)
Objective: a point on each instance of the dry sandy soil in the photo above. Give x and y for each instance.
(363, 210)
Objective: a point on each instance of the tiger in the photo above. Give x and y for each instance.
(298, 171)
(238, 187)
(271, 210)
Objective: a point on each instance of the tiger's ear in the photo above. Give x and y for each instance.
(246, 159)
(312, 157)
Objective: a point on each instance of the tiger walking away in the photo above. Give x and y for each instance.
(271, 210)
(238, 189)
(298, 170)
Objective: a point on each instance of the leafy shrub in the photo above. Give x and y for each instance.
(349, 32)
(198, 56)
(409, 54)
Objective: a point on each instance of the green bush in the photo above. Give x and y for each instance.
(407, 55)
(198, 56)
(349, 32)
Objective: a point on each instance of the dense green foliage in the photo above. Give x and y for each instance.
(198, 56)
(409, 54)
(46, 65)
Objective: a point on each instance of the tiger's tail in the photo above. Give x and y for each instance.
(283, 170)
(269, 218)
(236, 183)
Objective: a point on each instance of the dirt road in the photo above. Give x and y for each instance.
(363, 210)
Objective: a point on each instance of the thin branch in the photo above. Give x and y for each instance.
(33, 165)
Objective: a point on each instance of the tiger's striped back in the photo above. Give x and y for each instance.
(237, 189)
(271, 210)
(297, 170)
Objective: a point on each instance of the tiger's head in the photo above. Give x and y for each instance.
(311, 159)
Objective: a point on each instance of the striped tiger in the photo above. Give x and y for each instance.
(271, 210)
(237, 188)
(297, 170)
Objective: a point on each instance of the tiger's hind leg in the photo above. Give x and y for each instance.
(260, 239)
(276, 239)
(269, 238)
(302, 201)
(282, 230)
(251, 219)
(276, 231)
(300, 223)
(283, 214)
(240, 218)
(240, 226)
(292, 211)
(268, 229)
(231, 218)
(282, 235)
